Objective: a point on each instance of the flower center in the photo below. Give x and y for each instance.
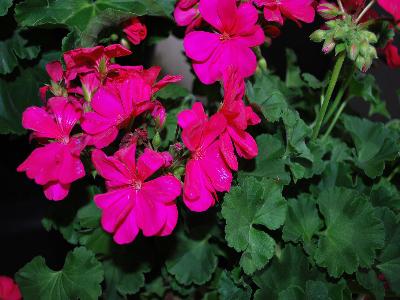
(137, 184)
(224, 36)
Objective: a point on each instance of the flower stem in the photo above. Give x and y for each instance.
(328, 96)
(395, 171)
(339, 97)
(341, 6)
(366, 9)
(335, 119)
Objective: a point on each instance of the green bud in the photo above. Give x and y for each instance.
(372, 52)
(353, 51)
(179, 171)
(364, 48)
(332, 24)
(370, 36)
(340, 33)
(156, 140)
(360, 63)
(328, 46)
(318, 36)
(114, 37)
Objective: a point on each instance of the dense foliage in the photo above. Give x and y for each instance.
(270, 188)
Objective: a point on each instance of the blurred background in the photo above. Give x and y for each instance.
(22, 204)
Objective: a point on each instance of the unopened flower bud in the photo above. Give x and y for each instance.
(318, 36)
(328, 46)
(156, 140)
(360, 63)
(179, 171)
(371, 37)
(328, 10)
(353, 51)
(332, 24)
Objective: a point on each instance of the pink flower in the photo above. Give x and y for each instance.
(392, 7)
(392, 55)
(115, 104)
(237, 118)
(296, 10)
(96, 59)
(159, 114)
(187, 13)
(236, 34)
(132, 203)
(9, 290)
(206, 171)
(135, 31)
(57, 164)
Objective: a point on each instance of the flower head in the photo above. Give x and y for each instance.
(133, 202)
(135, 31)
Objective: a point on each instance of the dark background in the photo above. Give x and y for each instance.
(22, 204)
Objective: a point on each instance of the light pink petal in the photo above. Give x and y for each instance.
(111, 168)
(116, 205)
(164, 189)
(55, 71)
(228, 152)
(216, 169)
(200, 45)
(56, 191)
(40, 121)
(148, 163)
(198, 193)
(128, 230)
(245, 144)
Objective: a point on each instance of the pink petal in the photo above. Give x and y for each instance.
(70, 169)
(245, 144)
(111, 168)
(164, 189)
(228, 151)
(9, 290)
(302, 10)
(166, 81)
(200, 45)
(107, 104)
(183, 17)
(273, 15)
(128, 230)
(56, 191)
(151, 216)
(127, 155)
(116, 50)
(171, 212)
(148, 163)
(40, 121)
(66, 112)
(55, 71)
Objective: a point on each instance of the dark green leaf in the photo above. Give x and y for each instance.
(172, 91)
(228, 289)
(252, 203)
(4, 6)
(80, 278)
(369, 280)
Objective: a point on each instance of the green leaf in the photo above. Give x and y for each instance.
(270, 163)
(172, 91)
(228, 289)
(389, 258)
(293, 72)
(267, 96)
(289, 269)
(4, 6)
(80, 13)
(189, 250)
(385, 194)
(302, 220)
(369, 280)
(348, 217)
(80, 278)
(14, 48)
(374, 144)
(312, 81)
(253, 203)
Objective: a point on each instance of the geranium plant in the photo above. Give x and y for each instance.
(264, 186)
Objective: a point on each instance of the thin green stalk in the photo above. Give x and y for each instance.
(395, 171)
(339, 97)
(335, 119)
(328, 96)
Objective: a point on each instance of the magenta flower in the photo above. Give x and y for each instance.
(206, 171)
(237, 32)
(96, 59)
(9, 290)
(392, 7)
(132, 203)
(135, 31)
(296, 10)
(115, 104)
(237, 118)
(57, 164)
(187, 13)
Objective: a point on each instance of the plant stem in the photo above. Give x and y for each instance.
(341, 6)
(335, 119)
(339, 97)
(366, 9)
(329, 92)
(394, 172)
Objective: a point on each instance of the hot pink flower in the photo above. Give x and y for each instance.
(187, 13)
(135, 31)
(206, 171)
(9, 290)
(132, 203)
(212, 53)
(238, 117)
(57, 164)
(296, 10)
(392, 7)
(115, 104)
(159, 114)
(96, 59)
(392, 55)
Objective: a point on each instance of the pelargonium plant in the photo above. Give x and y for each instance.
(252, 186)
